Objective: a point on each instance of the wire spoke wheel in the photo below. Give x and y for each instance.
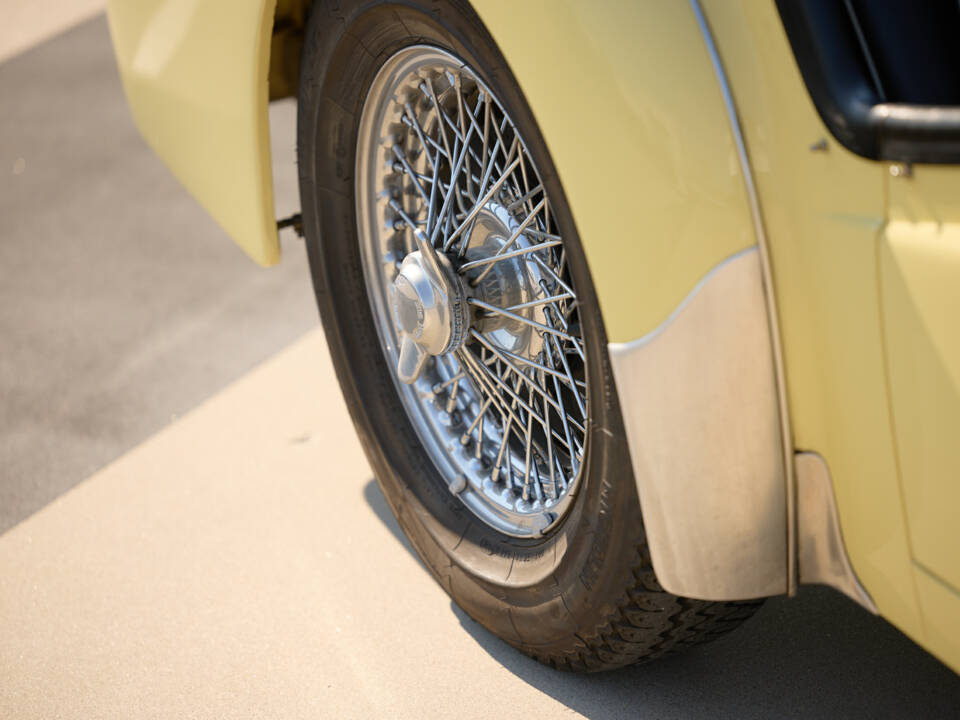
(467, 277)
(467, 336)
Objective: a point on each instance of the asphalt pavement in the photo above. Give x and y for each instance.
(188, 527)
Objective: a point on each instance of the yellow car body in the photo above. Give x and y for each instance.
(863, 255)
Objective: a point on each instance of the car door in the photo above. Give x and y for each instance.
(920, 295)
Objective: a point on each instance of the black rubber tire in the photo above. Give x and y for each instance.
(596, 603)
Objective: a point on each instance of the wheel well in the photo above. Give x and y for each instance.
(286, 42)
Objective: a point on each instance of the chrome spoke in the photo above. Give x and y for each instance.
(506, 361)
(494, 476)
(479, 206)
(563, 414)
(485, 372)
(492, 381)
(401, 156)
(541, 234)
(477, 420)
(482, 375)
(520, 318)
(541, 301)
(546, 413)
(412, 116)
(528, 448)
(440, 115)
(566, 369)
(527, 196)
(531, 363)
(439, 387)
(445, 209)
(505, 256)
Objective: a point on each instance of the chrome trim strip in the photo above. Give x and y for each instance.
(786, 438)
(822, 557)
(699, 403)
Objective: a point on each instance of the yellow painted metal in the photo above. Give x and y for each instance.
(825, 214)
(920, 263)
(941, 608)
(195, 75)
(629, 105)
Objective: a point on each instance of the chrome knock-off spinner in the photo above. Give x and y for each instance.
(430, 312)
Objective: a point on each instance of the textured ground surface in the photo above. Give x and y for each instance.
(187, 532)
(122, 304)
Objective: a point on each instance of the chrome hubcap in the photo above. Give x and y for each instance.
(473, 302)
(429, 311)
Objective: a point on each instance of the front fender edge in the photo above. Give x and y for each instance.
(195, 76)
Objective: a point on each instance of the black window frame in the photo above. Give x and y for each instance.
(839, 78)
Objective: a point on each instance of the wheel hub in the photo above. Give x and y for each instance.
(428, 298)
(429, 311)
(507, 284)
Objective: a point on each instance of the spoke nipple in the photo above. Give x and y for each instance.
(495, 475)
(458, 485)
(465, 439)
(452, 404)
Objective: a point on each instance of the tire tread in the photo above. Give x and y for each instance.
(648, 623)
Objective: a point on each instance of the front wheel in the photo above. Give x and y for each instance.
(467, 338)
